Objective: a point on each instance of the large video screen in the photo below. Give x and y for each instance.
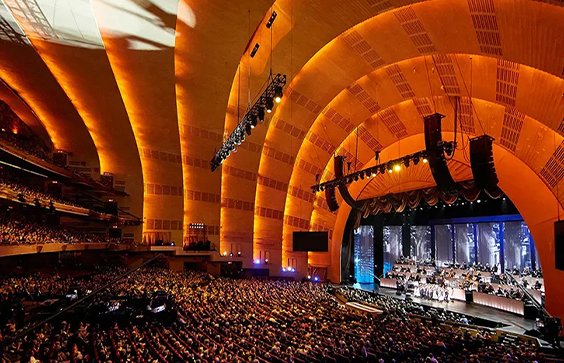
(311, 241)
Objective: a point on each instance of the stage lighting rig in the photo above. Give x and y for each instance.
(265, 102)
(389, 167)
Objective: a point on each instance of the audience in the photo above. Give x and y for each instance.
(256, 321)
(21, 232)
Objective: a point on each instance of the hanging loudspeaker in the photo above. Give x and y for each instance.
(482, 162)
(347, 197)
(436, 155)
(331, 199)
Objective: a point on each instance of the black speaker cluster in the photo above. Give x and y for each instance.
(481, 157)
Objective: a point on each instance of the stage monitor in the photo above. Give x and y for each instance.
(311, 241)
(559, 244)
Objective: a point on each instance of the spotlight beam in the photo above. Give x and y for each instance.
(273, 89)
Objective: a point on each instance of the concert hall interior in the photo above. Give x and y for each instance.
(281, 180)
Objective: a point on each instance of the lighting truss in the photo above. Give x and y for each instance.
(249, 121)
(388, 167)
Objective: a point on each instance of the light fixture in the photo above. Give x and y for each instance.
(251, 118)
(425, 160)
(271, 20)
(278, 94)
(255, 50)
(260, 114)
(309, 277)
(397, 167)
(415, 159)
(283, 269)
(406, 162)
(269, 104)
(373, 174)
(225, 253)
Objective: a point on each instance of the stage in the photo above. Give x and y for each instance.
(514, 324)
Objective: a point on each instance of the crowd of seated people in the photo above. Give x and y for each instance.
(257, 321)
(31, 194)
(502, 290)
(23, 232)
(27, 144)
(404, 307)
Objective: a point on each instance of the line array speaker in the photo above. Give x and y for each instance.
(347, 197)
(435, 153)
(331, 199)
(482, 162)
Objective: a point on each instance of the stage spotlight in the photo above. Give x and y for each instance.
(260, 114)
(356, 178)
(390, 167)
(271, 20)
(257, 262)
(224, 253)
(254, 121)
(278, 93)
(266, 261)
(293, 270)
(255, 50)
(397, 167)
(248, 128)
(362, 176)
(373, 174)
(239, 254)
(406, 162)
(309, 277)
(315, 278)
(283, 269)
(416, 160)
(269, 104)
(425, 161)
(478, 201)
(382, 169)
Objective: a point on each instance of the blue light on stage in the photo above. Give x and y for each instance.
(364, 254)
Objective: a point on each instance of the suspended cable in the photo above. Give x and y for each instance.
(429, 81)
(469, 92)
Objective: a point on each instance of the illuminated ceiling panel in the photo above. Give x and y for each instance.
(68, 22)
(139, 39)
(144, 25)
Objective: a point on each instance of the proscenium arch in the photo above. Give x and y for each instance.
(329, 66)
(546, 140)
(534, 200)
(543, 104)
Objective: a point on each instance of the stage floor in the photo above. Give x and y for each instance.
(515, 324)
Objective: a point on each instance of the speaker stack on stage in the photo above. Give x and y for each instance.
(436, 155)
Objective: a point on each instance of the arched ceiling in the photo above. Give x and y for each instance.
(148, 89)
